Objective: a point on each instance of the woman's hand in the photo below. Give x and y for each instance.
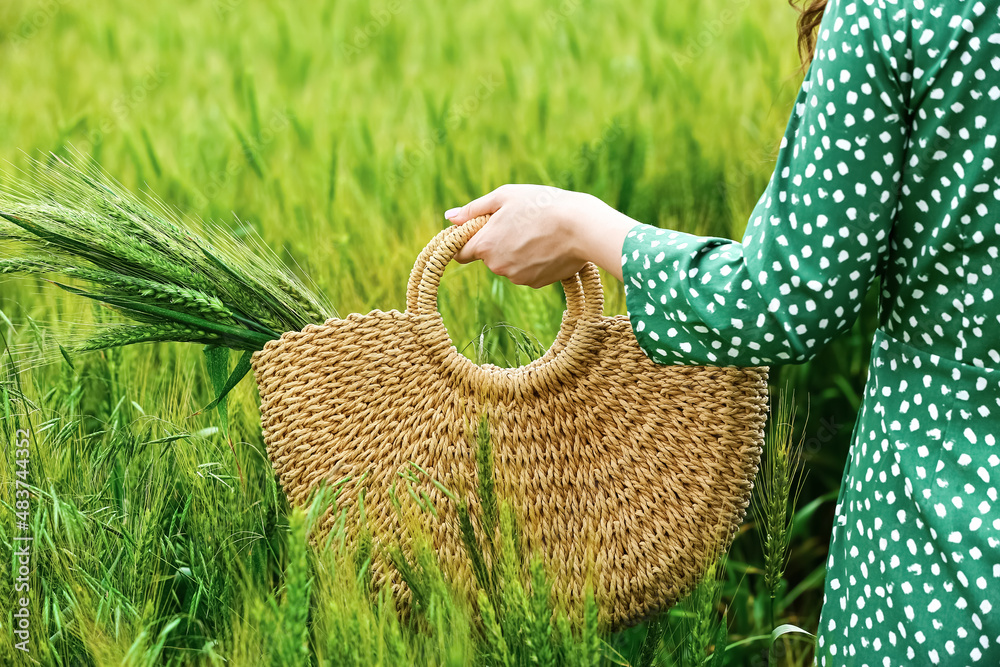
(537, 234)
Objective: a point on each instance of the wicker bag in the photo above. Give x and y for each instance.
(634, 472)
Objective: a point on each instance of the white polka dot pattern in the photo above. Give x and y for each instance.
(887, 169)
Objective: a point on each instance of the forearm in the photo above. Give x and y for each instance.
(598, 233)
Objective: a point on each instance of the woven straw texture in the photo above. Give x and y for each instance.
(630, 473)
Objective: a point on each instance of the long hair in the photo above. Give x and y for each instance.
(810, 14)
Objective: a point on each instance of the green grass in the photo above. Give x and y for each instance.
(339, 132)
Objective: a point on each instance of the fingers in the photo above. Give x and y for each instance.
(468, 252)
(475, 247)
(485, 205)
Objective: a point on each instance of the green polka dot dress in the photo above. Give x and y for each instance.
(887, 168)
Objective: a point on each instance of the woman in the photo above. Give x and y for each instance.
(887, 168)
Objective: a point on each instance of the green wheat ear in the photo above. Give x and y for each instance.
(487, 479)
(483, 576)
(703, 604)
(777, 490)
(496, 649)
(76, 225)
(539, 635)
(295, 612)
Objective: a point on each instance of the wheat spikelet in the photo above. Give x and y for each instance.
(129, 334)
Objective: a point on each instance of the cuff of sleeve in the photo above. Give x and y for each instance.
(639, 297)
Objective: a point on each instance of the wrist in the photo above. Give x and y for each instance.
(598, 234)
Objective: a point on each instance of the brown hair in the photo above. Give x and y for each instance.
(810, 14)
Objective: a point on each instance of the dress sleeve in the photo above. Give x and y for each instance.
(817, 235)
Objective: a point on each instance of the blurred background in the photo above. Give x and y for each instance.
(339, 131)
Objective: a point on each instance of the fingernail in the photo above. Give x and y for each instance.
(452, 212)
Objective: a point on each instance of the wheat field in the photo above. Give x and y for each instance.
(337, 133)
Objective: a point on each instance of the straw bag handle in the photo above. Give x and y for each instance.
(584, 301)
(584, 294)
